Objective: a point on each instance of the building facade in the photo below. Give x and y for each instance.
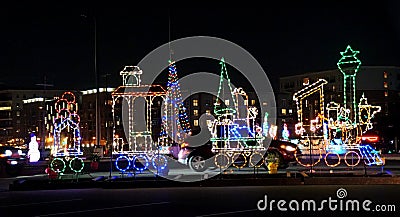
(12, 120)
(379, 84)
(87, 113)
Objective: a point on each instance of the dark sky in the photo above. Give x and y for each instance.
(286, 39)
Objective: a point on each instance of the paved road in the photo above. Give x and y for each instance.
(392, 167)
(197, 201)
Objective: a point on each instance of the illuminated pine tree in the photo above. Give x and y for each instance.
(175, 121)
(225, 92)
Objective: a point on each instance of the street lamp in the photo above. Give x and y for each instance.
(98, 132)
(107, 127)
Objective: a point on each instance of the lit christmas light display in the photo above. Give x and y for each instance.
(349, 65)
(342, 126)
(285, 132)
(67, 138)
(33, 153)
(273, 130)
(365, 113)
(234, 134)
(141, 148)
(175, 122)
(265, 125)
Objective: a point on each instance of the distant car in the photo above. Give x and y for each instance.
(12, 159)
(196, 157)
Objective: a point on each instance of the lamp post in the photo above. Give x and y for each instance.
(107, 124)
(98, 132)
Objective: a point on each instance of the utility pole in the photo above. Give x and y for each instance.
(98, 131)
(107, 125)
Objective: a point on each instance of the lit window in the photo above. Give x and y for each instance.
(227, 102)
(283, 111)
(208, 112)
(245, 102)
(290, 111)
(253, 102)
(195, 123)
(196, 112)
(195, 102)
(385, 75)
(333, 87)
(385, 85)
(306, 81)
(386, 93)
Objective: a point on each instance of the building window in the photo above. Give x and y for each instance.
(208, 112)
(385, 75)
(196, 112)
(386, 93)
(283, 102)
(196, 123)
(333, 88)
(227, 102)
(306, 81)
(195, 102)
(385, 84)
(253, 102)
(290, 111)
(18, 113)
(283, 111)
(245, 102)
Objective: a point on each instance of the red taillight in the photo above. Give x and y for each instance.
(370, 138)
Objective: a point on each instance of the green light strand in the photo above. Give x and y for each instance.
(224, 74)
(349, 65)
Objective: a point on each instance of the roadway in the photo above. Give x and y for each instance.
(200, 201)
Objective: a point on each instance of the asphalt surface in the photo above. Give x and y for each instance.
(200, 201)
(182, 172)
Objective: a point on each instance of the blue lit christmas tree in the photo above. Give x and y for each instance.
(175, 122)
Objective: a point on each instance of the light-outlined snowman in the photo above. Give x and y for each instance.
(33, 153)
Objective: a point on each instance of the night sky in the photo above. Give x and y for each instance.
(286, 39)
